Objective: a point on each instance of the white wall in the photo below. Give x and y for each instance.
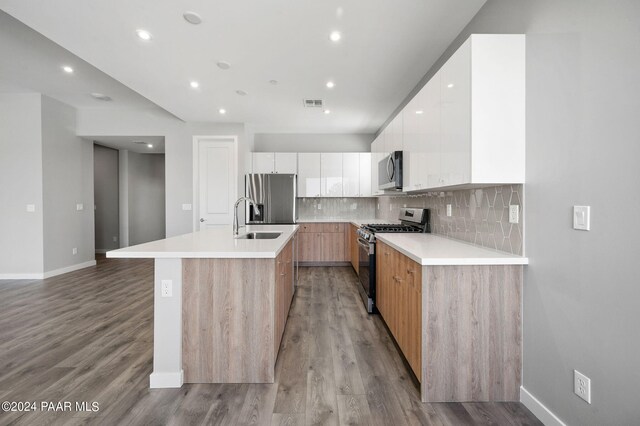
(67, 163)
(21, 244)
(146, 191)
(581, 289)
(178, 151)
(105, 185)
(287, 142)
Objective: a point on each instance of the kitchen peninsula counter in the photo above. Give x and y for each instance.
(220, 304)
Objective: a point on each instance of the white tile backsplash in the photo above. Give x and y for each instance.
(336, 208)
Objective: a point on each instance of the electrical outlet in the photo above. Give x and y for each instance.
(115, 239)
(186, 207)
(378, 206)
(74, 250)
(582, 386)
(449, 210)
(167, 288)
(390, 207)
(514, 213)
(319, 206)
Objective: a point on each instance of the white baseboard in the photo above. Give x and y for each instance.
(166, 380)
(66, 269)
(21, 276)
(538, 409)
(48, 274)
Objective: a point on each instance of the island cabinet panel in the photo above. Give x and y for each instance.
(234, 312)
(227, 317)
(458, 327)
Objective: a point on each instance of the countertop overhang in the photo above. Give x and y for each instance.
(218, 242)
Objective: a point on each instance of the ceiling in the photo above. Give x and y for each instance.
(386, 47)
(33, 63)
(129, 143)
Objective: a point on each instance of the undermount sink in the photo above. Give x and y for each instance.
(259, 236)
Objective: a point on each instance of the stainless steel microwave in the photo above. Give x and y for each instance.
(390, 172)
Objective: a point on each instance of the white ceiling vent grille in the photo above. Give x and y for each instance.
(313, 103)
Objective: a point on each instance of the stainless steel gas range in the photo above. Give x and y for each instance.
(411, 220)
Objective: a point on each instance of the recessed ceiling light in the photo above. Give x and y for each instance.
(450, 85)
(241, 92)
(335, 36)
(67, 69)
(192, 18)
(330, 84)
(101, 97)
(223, 65)
(274, 82)
(222, 111)
(327, 111)
(194, 84)
(144, 34)
(419, 111)
(149, 145)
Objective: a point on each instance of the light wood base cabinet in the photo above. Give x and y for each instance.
(324, 243)
(234, 312)
(459, 327)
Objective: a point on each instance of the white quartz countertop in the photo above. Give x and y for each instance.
(216, 242)
(429, 249)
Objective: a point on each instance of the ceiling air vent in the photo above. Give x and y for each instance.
(313, 103)
(140, 142)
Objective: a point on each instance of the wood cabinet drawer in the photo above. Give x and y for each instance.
(310, 227)
(333, 227)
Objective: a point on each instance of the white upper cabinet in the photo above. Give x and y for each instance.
(308, 174)
(455, 118)
(286, 162)
(396, 134)
(351, 174)
(331, 174)
(365, 174)
(377, 147)
(263, 162)
(467, 124)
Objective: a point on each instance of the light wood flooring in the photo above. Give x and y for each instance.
(87, 336)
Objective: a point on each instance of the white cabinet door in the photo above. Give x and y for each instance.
(351, 174)
(263, 162)
(411, 144)
(331, 174)
(308, 175)
(430, 135)
(376, 148)
(455, 90)
(396, 134)
(286, 162)
(365, 174)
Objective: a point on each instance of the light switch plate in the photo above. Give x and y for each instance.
(79, 207)
(31, 208)
(449, 210)
(186, 207)
(582, 218)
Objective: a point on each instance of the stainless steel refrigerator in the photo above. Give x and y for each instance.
(275, 195)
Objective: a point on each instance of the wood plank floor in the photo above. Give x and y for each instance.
(87, 336)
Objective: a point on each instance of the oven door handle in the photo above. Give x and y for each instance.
(365, 245)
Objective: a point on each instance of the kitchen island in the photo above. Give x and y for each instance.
(220, 304)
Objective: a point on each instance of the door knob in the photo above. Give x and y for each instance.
(202, 219)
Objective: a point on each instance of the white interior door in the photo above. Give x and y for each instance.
(217, 181)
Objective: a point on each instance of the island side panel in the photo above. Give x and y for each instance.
(472, 333)
(167, 326)
(228, 311)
